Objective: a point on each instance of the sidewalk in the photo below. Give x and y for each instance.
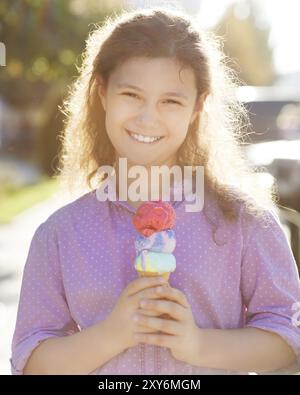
(14, 245)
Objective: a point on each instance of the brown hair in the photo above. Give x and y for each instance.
(214, 138)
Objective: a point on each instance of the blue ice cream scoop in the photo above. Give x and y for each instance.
(163, 241)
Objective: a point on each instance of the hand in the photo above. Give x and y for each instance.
(179, 333)
(120, 321)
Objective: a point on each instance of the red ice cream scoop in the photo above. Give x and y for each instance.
(154, 216)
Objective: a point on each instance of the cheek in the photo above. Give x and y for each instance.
(178, 118)
(118, 109)
(178, 128)
(125, 109)
(178, 138)
(115, 119)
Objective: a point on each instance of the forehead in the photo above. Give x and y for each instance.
(164, 74)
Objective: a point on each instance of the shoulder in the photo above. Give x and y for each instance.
(252, 216)
(249, 216)
(76, 213)
(259, 226)
(263, 228)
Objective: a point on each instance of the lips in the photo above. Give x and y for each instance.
(143, 136)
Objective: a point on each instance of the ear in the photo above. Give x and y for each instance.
(198, 106)
(101, 90)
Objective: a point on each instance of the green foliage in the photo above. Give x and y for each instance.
(14, 200)
(43, 39)
(246, 42)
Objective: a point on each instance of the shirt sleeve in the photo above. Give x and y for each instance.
(43, 310)
(270, 283)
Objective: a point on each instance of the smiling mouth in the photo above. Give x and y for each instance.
(144, 139)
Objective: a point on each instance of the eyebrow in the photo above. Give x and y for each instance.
(177, 94)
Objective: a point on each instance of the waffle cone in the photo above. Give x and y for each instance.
(153, 274)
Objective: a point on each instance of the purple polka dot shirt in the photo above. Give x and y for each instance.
(237, 274)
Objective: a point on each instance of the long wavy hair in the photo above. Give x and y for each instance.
(214, 140)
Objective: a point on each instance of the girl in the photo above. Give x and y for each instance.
(232, 302)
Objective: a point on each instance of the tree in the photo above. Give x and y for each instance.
(44, 40)
(246, 41)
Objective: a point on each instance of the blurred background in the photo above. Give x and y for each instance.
(40, 45)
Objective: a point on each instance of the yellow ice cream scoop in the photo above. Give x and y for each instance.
(150, 263)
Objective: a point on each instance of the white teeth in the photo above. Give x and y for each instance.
(144, 139)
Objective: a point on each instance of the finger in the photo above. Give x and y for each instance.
(170, 327)
(150, 313)
(158, 339)
(173, 309)
(164, 292)
(144, 329)
(141, 283)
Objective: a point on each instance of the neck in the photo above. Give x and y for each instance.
(144, 182)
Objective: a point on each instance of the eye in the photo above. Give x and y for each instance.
(173, 102)
(130, 94)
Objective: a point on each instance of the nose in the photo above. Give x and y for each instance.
(148, 116)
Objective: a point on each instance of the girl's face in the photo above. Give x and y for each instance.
(149, 107)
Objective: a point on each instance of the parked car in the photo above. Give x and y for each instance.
(274, 112)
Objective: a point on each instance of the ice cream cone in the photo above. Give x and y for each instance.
(156, 241)
(153, 274)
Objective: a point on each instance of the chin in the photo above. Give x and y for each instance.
(136, 162)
